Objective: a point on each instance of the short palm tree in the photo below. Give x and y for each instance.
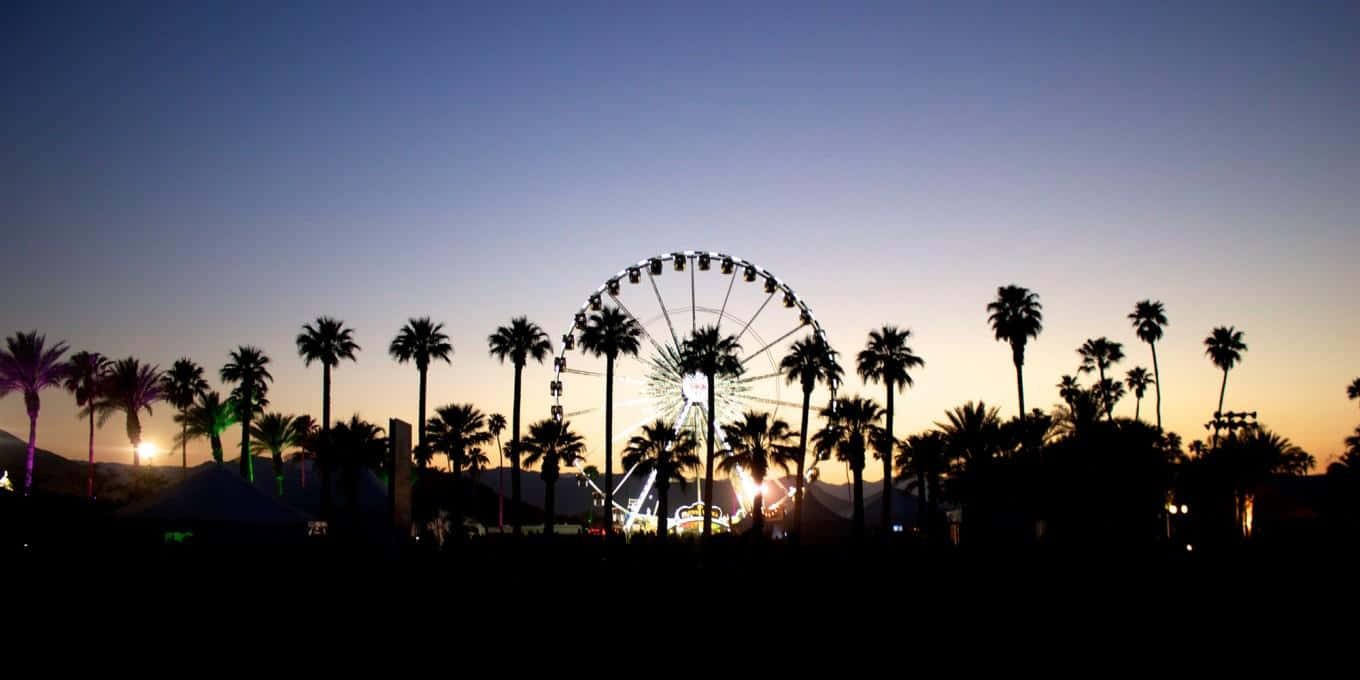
(708, 352)
(757, 442)
(1353, 390)
(1098, 355)
(924, 456)
(1224, 348)
(455, 431)
(610, 333)
(247, 368)
(886, 358)
(183, 383)
(519, 342)
(27, 365)
(660, 449)
(1148, 319)
(850, 430)
(209, 417)
(553, 445)
(83, 376)
(1109, 392)
(1138, 380)
(1016, 316)
(495, 424)
(809, 361)
(306, 434)
(421, 341)
(274, 434)
(130, 387)
(1068, 388)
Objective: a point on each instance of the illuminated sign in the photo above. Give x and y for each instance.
(696, 511)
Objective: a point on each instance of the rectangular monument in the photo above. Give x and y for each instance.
(399, 482)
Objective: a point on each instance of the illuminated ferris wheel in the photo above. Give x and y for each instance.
(669, 296)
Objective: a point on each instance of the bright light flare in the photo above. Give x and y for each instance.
(147, 451)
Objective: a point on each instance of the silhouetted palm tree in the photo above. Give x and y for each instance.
(519, 342)
(247, 368)
(1068, 387)
(1098, 355)
(306, 434)
(130, 387)
(1149, 318)
(352, 446)
(849, 431)
(183, 383)
(925, 457)
(208, 417)
(757, 442)
(1016, 316)
(1353, 390)
(495, 424)
(1138, 380)
(1109, 392)
(610, 333)
(973, 433)
(1224, 348)
(328, 342)
(83, 376)
(886, 358)
(669, 454)
(552, 443)
(808, 362)
(421, 340)
(28, 366)
(274, 433)
(708, 352)
(455, 431)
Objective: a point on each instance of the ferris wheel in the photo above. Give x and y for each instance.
(669, 296)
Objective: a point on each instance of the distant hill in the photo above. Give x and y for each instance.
(57, 475)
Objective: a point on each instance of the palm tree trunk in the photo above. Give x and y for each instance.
(514, 456)
(32, 445)
(247, 465)
(857, 472)
(278, 484)
(1018, 356)
(216, 442)
(1109, 408)
(663, 507)
(500, 485)
(886, 528)
(420, 415)
(1157, 383)
(1137, 407)
(89, 483)
(608, 447)
(708, 467)
(549, 501)
(1219, 413)
(134, 432)
(802, 456)
(758, 512)
(183, 445)
(327, 501)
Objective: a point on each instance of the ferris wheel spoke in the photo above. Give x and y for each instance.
(723, 312)
(582, 412)
(775, 402)
(664, 312)
(763, 305)
(577, 371)
(625, 309)
(778, 340)
(756, 378)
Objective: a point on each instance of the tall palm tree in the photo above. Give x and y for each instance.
(327, 342)
(670, 454)
(1353, 390)
(209, 417)
(1148, 319)
(27, 365)
(886, 358)
(519, 342)
(552, 443)
(1138, 380)
(1016, 316)
(1224, 348)
(610, 333)
(247, 368)
(849, 432)
(130, 387)
(708, 352)
(809, 361)
(495, 424)
(274, 433)
(757, 442)
(83, 376)
(183, 383)
(1097, 355)
(421, 341)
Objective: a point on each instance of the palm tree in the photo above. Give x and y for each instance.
(924, 456)
(1098, 355)
(1224, 348)
(552, 443)
(610, 333)
(809, 361)
(130, 387)
(83, 376)
(519, 342)
(247, 367)
(183, 383)
(421, 341)
(886, 358)
(306, 430)
(1109, 392)
(28, 366)
(709, 353)
(1016, 316)
(1138, 380)
(660, 449)
(209, 417)
(352, 446)
(495, 424)
(758, 442)
(455, 431)
(972, 433)
(849, 431)
(1353, 390)
(328, 342)
(1149, 318)
(274, 433)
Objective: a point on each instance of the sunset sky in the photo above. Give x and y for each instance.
(182, 178)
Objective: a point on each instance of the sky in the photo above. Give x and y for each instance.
(177, 179)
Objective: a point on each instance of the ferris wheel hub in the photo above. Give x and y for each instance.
(694, 387)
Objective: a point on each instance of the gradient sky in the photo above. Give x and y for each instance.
(180, 178)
